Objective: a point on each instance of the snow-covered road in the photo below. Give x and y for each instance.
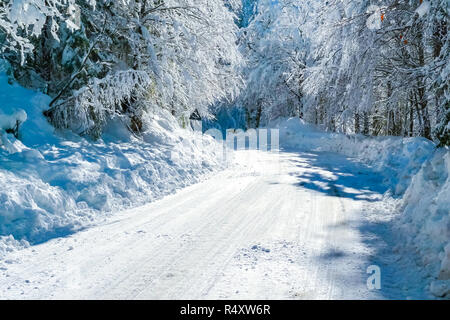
(277, 226)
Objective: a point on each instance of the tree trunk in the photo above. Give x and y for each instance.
(357, 125)
(366, 129)
(258, 115)
(411, 121)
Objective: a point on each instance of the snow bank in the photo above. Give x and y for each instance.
(415, 171)
(425, 219)
(52, 185)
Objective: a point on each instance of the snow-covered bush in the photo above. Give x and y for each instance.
(23, 20)
(11, 123)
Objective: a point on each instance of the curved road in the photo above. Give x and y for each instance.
(276, 226)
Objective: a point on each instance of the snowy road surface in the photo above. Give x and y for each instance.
(287, 226)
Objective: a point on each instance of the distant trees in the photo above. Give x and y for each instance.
(273, 43)
(378, 69)
(391, 70)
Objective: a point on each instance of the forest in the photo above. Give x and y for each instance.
(352, 66)
(116, 181)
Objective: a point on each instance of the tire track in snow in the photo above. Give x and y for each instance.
(249, 232)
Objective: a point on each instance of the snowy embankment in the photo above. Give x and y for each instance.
(418, 175)
(53, 184)
(425, 218)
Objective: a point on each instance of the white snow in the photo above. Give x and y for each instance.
(423, 8)
(132, 217)
(305, 223)
(396, 158)
(374, 20)
(53, 184)
(426, 219)
(9, 121)
(26, 13)
(255, 230)
(416, 174)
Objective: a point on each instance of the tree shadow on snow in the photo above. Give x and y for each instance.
(337, 176)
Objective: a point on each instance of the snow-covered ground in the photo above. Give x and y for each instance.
(303, 223)
(425, 220)
(416, 176)
(289, 225)
(54, 184)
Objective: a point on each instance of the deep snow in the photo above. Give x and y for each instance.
(287, 225)
(416, 205)
(425, 219)
(397, 159)
(54, 184)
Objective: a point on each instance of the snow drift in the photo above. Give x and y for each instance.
(415, 171)
(426, 219)
(53, 184)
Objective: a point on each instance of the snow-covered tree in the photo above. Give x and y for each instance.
(276, 49)
(180, 55)
(371, 67)
(22, 20)
(378, 69)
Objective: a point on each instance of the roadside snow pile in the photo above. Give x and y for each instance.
(52, 185)
(9, 244)
(415, 170)
(426, 219)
